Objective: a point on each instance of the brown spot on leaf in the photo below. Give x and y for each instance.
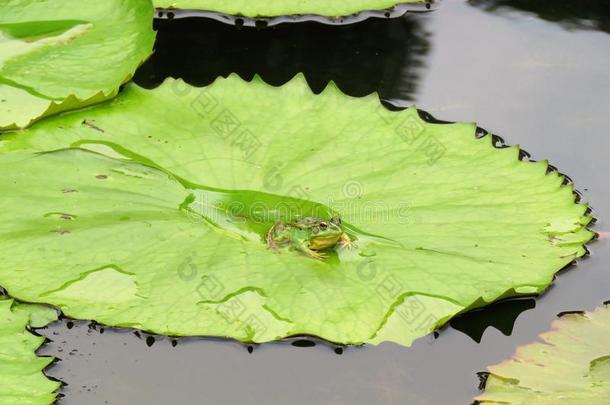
(69, 190)
(101, 177)
(60, 231)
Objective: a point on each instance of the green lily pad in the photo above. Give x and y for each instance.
(21, 377)
(150, 211)
(56, 56)
(570, 366)
(274, 8)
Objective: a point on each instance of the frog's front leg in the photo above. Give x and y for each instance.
(346, 242)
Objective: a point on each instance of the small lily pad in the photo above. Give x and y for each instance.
(21, 378)
(150, 211)
(571, 365)
(274, 8)
(56, 56)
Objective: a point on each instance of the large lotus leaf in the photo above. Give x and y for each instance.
(59, 55)
(274, 8)
(150, 211)
(21, 377)
(570, 366)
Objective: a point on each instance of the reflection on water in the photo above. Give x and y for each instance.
(583, 14)
(376, 55)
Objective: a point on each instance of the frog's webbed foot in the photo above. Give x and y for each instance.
(315, 255)
(346, 242)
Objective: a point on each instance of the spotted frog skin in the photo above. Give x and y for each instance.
(308, 235)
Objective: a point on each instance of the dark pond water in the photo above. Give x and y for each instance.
(535, 72)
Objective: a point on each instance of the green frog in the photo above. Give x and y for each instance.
(308, 235)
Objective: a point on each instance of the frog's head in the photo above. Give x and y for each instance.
(325, 234)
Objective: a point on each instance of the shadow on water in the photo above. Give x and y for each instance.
(584, 14)
(501, 315)
(386, 56)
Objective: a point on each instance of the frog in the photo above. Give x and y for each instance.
(310, 236)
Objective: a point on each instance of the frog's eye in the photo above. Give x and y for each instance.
(315, 229)
(323, 225)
